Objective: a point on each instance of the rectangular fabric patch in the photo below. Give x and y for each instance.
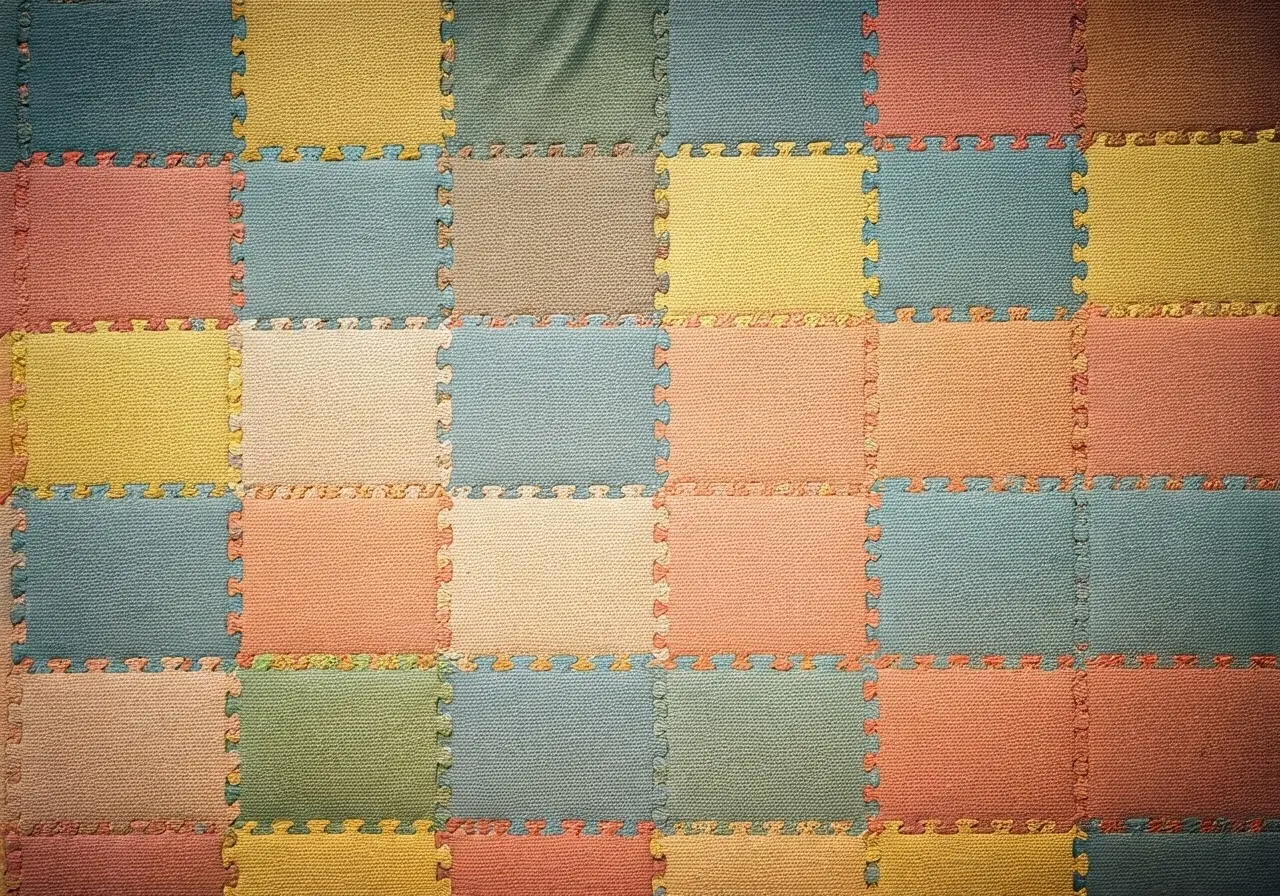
(367, 738)
(768, 406)
(547, 576)
(977, 572)
(1184, 572)
(990, 745)
(147, 406)
(310, 862)
(1211, 864)
(551, 406)
(337, 575)
(1171, 223)
(134, 864)
(342, 239)
(112, 579)
(1183, 743)
(999, 218)
(763, 745)
(111, 243)
(118, 746)
(742, 864)
(975, 399)
(553, 235)
(764, 234)
(553, 745)
(497, 863)
(1183, 396)
(781, 574)
(1036, 864)
(340, 75)
(341, 407)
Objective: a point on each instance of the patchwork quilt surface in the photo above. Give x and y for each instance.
(625, 447)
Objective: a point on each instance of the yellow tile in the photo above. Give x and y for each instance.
(348, 863)
(1182, 223)
(959, 864)
(139, 407)
(335, 74)
(758, 235)
(742, 864)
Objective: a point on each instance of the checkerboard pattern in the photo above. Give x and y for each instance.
(603, 449)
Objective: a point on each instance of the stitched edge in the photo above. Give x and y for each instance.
(1079, 65)
(1080, 544)
(1080, 221)
(444, 232)
(871, 39)
(661, 67)
(17, 408)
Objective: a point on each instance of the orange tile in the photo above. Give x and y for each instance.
(112, 243)
(1184, 395)
(974, 399)
(495, 864)
(779, 574)
(8, 265)
(779, 404)
(1184, 743)
(983, 744)
(340, 575)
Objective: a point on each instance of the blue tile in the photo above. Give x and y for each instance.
(1214, 864)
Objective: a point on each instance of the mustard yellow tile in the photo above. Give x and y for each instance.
(960, 864)
(137, 407)
(1178, 223)
(344, 863)
(741, 864)
(335, 74)
(756, 235)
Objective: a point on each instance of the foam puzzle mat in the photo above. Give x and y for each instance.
(627, 447)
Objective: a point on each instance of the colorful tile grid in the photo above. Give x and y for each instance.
(686, 448)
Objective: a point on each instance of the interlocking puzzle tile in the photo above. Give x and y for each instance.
(742, 864)
(305, 862)
(1182, 66)
(974, 67)
(1184, 572)
(553, 235)
(553, 745)
(762, 745)
(990, 745)
(767, 72)
(119, 746)
(1183, 743)
(496, 863)
(335, 75)
(339, 744)
(130, 78)
(1038, 864)
(1183, 396)
(1213, 864)
(1173, 223)
(525, 72)
(148, 406)
(976, 572)
(780, 574)
(341, 575)
(977, 227)
(553, 405)
(762, 235)
(113, 243)
(546, 576)
(975, 399)
(343, 239)
(341, 407)
(117, 578)
(766, 405)
(165, 863)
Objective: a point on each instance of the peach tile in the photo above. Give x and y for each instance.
(779, 574)
(1184, 743)
(495, 864)
(740, 864)
(974, 399)
(1184, 395)
(765, 404)
(341, 575)
(981, 744)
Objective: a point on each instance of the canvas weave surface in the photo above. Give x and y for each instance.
(641, 447)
